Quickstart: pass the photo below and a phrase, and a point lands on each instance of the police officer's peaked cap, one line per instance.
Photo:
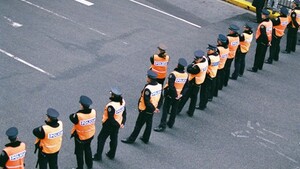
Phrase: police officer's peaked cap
(116, 91)
(85, 101)
(162, 46)
(222, 38)
(212, 47)
(297, 2)
(284, 11)
(182, 62)
(265, 12)
(12, 133)
(233, 28)
(151, 74)
(199, 54)
(248, 25)
(52, 113)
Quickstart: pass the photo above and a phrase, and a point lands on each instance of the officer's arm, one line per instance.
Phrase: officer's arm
(193, 69)
(74, 118)
(3, 159)
(149, 106)
(263, 35)
(242, 37)
(185, 88)
(39, 132)
(293, 16)
(124, 116)
(172, 90)
(111, 113)
(152, 59)
(275, 21)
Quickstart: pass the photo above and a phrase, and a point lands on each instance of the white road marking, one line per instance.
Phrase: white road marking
(63, 17)
(84, 2)
(269, 141)
(249, 125)
(165, 13)
(278, 135)
(26, 63)
(12, 23)
(289, 158)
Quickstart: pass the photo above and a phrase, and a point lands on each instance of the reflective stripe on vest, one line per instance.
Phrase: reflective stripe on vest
(53, 138)
(213, 67)
(16, 156)
(199, 77)
(245, 45)
(85, 127)
(279, 29)
(180, 79)
(119, 109)
(223, 56)
(269, 27)
(160, 66)
(154, 97)
(233, 44)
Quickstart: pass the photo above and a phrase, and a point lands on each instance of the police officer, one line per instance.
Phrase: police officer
(233, 44)
(263, 38)
(159, 64)
(223, 54)
(293, 27)
(48, 140)
(279, 25)
(175, 88)
(245, 43)
(13, 154)
(114, 117)
(197, 72)
(206, 92)
(83, 131)
(147, 106)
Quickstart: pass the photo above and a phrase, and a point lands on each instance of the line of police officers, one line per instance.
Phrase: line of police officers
(209, 72)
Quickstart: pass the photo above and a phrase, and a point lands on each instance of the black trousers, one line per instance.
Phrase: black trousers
(274, 49)
(220, 80)
(168, 103)
(192, 93)
(239, 64)
(205, 91)
(258, 14)
(45, 159)
(112, 132)
(161, 99)
(227, 71)
(83, 148)
(259, 57)
(143, 117)
(291, 39)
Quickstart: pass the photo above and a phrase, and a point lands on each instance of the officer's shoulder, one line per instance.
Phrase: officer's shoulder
(262, 26)
(2, 153)
(147, 92)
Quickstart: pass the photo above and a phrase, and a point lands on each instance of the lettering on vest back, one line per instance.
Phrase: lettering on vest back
(87, 122)
(224, 55)
(284, 23)
(17, 156)
(155, 93)
(180, 80)
(120, 110)
(215, 63)
(157, 63)
(54, 135)
(234, 43)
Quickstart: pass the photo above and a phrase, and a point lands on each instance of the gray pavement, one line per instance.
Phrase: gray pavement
(253, 124)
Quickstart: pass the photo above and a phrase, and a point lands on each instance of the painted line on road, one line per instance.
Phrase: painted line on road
(63, 17)
(266, 140)
(26, 63)
(289, 158)
(278, 135)
(84, 2)
(165, 13)
(12, 23)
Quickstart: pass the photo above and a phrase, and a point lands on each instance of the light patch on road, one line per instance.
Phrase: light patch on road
(12, 23)
(84, 2)
(165, 13)
(26, 63)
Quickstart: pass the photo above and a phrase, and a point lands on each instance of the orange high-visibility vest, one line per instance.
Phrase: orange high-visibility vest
(85, 127)
(279, 29)
(269, 27)
(16, 156)
(223, 56)
(199, 77)
(233, 44)
(245, 45)
(119, 109)
(160, 66)
(53, 138)
(180, 79)
(154, 97)
(213, 67)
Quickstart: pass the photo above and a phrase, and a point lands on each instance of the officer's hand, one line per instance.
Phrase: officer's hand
(269, 44)
(156, 110)
(122, 126)
(178, 97)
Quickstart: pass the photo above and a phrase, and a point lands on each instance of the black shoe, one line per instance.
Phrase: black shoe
(97, 158)
(286, 52)
(200, 107)
(268, 62)
(144, 140)
(209, 99)
(240, 75)
(159, 129)
(127, 141)
(251, 70)
(109, 156)
(233, 78)
(169, 125)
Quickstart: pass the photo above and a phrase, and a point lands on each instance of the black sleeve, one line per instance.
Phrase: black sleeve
(74, 118)
(208, 60)
(185, 88)
(3, 159)
(193, 69)
(293, 16)
(275, 21)
(111, 113)
(124, 116)
(149, 106)
(172, 90)
(152, 59)
(39, 132)
(242, 37)
(263, 38)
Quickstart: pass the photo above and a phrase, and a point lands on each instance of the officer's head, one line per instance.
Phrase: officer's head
(248, 26)
(296, 3)
(85, 102)
(222, 39)
(199, 55)
(115, 92)
(181, 63)
(211, 49)
(52, 114)
(12, 134)
(161, 48)
(151, 76)
(233, 29)
(284, 11)
(265, 14)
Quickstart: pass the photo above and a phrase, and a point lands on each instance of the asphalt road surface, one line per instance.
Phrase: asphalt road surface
(51, 52)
